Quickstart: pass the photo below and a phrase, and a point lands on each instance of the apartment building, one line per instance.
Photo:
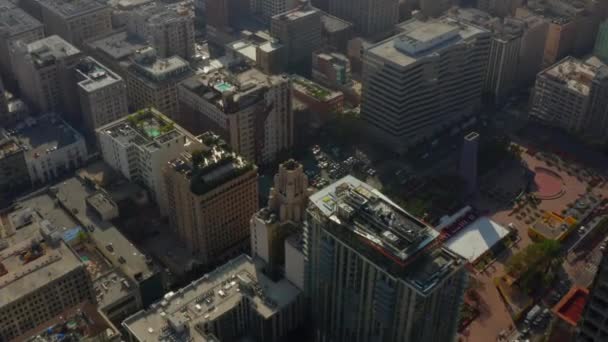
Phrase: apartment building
(423, 80)
(139, 145)
(299, 30)
(372, 18)
(102, 95)
(592, 326)
(15, 24)
(152, 81)
(45, 72)
(573, 95)
(249, 109)
(376, 273)
(532, 47)
(74, 21)
(212, 194)
(169, 28)
(236, 300)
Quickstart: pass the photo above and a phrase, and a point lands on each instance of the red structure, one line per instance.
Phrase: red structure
(570, 308)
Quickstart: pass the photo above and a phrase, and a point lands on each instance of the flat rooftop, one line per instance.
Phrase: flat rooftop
(118, 45)
(154, 70)
(45, 134)
(47, 51)
(313, 89)
(574, 74)
(419, 39)
(505, 29)
(94, 76)
(15, 21)
(8, 147)
(477, 238)
(334, 24)
(296, 14)
(73, 8)
(210, 297)
(570, 308)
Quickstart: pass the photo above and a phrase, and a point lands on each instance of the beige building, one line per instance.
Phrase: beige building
(152, 81)
(212, 194)
(102, 94)
(45, 73)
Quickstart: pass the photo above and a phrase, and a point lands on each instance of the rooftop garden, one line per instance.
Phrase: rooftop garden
(313, 89)
(150, 123)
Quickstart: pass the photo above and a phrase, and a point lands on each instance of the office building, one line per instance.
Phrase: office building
(532, 47)
(41, 276)
(282, 217)
(53, 148)
(423, 80)
(236, 300)
(152, 81)
(573, 95)
(592, 325)
(74, 21)
(247, 108)
(15, 24)
(45, 72)
(372, 18)
(102, 94)
(331, 69)
(226, 14)
(601, 42)
(266, 9)
(139, 145)
(168, 28)
(115, 50)
(336, 32)
(14, 173)
(299, 30)
(376, 273)
(212, 194)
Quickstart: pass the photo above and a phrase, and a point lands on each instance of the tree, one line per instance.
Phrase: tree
(534, 265)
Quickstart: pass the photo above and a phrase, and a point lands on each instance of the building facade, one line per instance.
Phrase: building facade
(212, 194)
(266, 9)
(601, 42)
(374, 273)
(423, 80)
(592, 325)
(370, 17)
(14, 173)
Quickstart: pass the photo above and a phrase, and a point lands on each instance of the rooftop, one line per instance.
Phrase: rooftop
(48, 50)
(44, 134)
(313, 89)
(574, 74)
(296, 14)
(419, 39)
(477, 238)
(154, 69)
(334, 24)
(73, 8)
(118, 45)
(15, 21)
(570, 307)
(210, 297)
(8, 146)
(506, 29)
(214, 165)
(94, 76)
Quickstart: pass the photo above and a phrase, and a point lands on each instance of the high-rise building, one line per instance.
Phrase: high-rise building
(74, 21)
(41, 276)
(116, 50)
(168, 27)
(139, 145)
(235, 301)
(299, 30)
(336, 32)
(45, 73)
(500, 8)
(370, 17)
(532, 48)
(247, 108)
(285, 212)
(102, 93)
(3, 104)
(435, 8)
(152, 81)
(593, 326)
(573, 95)
(266, 9)
(14, 174)
(226, 14)
(468, 162)
(376, 273)
(601, 43)
(423, 80)
(331, 70)
(212, 194)
(15, 24)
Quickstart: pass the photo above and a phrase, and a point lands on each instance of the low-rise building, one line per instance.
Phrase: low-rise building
(323, 102)
(234, 301)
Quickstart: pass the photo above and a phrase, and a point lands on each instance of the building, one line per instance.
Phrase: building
(601, 43)
(299, 30)
(41, 277)
(336, 32)
(427, 96)
(52, 147)
(592, 326)
(260, 49)
(14, 173)
(249, 109)
(234, 301)
(371, 17)
(212, 194)
(282, 217)
(15, 24)
(226, 14)
(333, 70)
(435, 8)
(325, 103)
(152, 81)
(499, 8)
(3, 103)
(168, 28)
(74, 21)
(45, 73)
(102, 93)
(468, 162)
(532, 48)
(139, 145)
(573, 95)
(266, 9)
(115, 50)
(378, 266)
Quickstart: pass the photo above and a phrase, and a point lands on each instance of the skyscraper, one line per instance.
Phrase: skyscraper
(371, 17)
(376, 273)
(601, 43)
(593, 326)
(468, 161)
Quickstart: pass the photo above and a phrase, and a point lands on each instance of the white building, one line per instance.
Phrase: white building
(139, 145)
(52, 147)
